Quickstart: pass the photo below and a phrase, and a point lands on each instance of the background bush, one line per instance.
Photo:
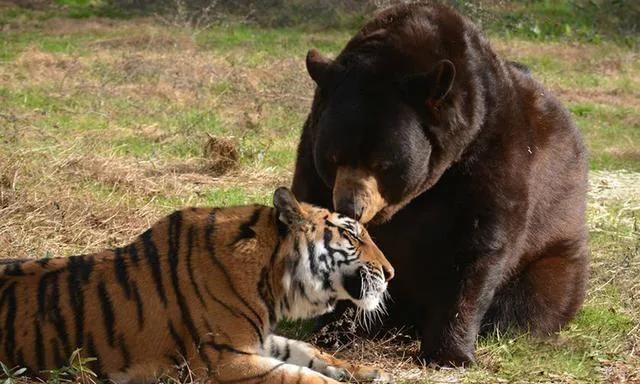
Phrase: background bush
(586, 20)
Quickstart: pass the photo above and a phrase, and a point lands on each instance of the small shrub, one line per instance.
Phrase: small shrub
(77, 371)
(11, 375)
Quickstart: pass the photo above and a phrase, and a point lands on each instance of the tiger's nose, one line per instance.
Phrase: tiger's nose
(388, 272)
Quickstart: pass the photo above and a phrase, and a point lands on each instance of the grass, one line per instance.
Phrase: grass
(103, 125)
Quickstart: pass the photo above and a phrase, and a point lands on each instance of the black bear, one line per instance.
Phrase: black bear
(470, 174)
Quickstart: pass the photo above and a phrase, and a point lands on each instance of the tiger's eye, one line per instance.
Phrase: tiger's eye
(353, 238)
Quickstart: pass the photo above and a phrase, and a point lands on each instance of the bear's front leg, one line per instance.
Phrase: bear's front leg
(452, 317)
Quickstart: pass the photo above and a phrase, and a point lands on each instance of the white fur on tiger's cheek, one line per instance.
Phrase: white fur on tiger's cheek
(374, 290)
(305, 285)
(371, 301)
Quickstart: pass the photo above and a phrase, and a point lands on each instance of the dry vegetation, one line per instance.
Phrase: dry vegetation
(107, 125)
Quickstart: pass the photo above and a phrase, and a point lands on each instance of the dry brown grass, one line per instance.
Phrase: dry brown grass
(80, 204)
(606, 65)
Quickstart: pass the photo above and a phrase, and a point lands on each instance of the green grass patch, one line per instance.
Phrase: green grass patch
(551, 20)
(594, 334)
(217, 197)
(262, 44)
(601, 323)
(15, 43)
(231, 196)
(299, 330)
(612, 135)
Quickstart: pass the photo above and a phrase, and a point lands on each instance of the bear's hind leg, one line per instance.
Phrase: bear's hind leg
(545, 296)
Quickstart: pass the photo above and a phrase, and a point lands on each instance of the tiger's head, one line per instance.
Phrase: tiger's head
(328, 257)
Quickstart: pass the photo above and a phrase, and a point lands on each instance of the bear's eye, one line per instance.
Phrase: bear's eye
(382, 166)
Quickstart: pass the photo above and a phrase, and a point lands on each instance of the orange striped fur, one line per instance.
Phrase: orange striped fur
(203, 287)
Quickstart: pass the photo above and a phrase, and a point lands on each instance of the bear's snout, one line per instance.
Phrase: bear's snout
(351, 207)
(356, 194)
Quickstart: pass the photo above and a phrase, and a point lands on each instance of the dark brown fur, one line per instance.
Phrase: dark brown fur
(472, 176)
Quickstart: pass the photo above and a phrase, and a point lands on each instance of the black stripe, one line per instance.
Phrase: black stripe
(49, 307)
(43, 285)
(266, 294)
(176, 339)
(221, 347)
(139, 305)
(124, 351)
(283, 229)
(287, 351)
(151, 254)
(93, 352)
(207, 326)
(265, 290)
(311, 249)
(175, 224)
(302, 290)
(236, 313)
(13, 269)
(43, 262)
(108, 316)
(58, 359)
(208, 237)
(190, 236)
(79, 270)
(331, 251)
(284, 305)
(133, 253)
(20, 359)
(122, 276)
(245, 231)
(9, 298)
(177, 362)
(39, 345)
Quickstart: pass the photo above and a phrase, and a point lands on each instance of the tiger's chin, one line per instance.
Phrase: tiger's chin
(365, 291)
(370, 302)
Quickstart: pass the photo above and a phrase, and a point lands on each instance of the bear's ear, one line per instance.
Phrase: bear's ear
(319, 67)
(431, 87)
(288, 208)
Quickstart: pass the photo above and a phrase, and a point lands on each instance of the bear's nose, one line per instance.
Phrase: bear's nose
(350, 207)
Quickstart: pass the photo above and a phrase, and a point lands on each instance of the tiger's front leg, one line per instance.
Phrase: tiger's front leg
(305, 355)
(253, 369)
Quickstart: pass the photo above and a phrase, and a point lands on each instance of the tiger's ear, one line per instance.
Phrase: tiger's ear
(289, 210)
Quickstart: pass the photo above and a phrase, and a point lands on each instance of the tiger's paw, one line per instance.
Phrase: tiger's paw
(359, 375)
(336, 373)
(369, 374)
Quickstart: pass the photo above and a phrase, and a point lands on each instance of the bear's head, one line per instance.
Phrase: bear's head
(391, 113)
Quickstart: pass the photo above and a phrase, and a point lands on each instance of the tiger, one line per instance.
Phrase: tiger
(203, 287)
